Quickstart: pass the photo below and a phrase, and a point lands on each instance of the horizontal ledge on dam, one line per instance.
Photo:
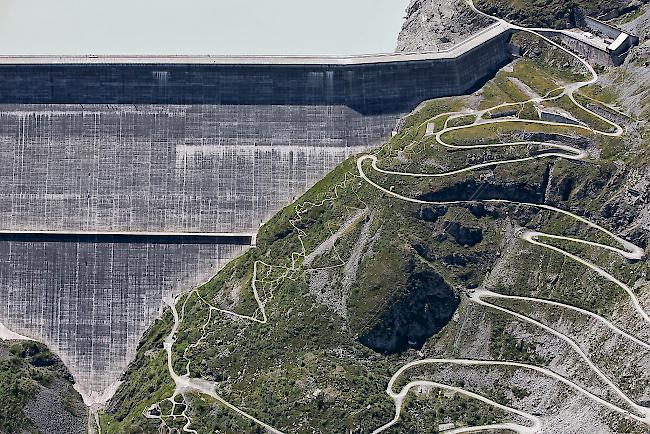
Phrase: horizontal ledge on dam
(246, 239)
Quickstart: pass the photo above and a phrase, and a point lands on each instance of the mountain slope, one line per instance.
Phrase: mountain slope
(558, 14)
(37, 393)
(438, 25)
(368, 271)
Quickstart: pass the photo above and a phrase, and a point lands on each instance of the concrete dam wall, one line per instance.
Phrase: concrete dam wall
(190, 168)
(120, 174)
(389, 84)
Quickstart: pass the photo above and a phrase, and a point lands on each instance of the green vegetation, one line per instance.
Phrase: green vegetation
(148, 383)
(546, 66)
(311, 368)
(629, 16)
(529, 111)
(534, 74)
(495, 133)
(429, 110)
(25, 368)
(499, 90)
(461, 121)
(505, 346)
(425, 411)
(599, 93)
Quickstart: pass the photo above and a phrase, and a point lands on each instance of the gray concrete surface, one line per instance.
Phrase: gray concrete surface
(470, 40)
(168, 168)
(91, 302)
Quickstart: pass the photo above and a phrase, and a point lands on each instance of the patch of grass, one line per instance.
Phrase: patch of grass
(557, 14)
(531, 74)
(462, 120)
(495, 132)
(500, 90)
(146, 383)
(529, 111)
(425, 411)
(554, 64)
(630, 16)
(600, 93)
(432, 108)
(504, 346)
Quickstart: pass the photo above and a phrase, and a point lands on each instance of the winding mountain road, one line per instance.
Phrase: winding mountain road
(185, 384)
(627, 250)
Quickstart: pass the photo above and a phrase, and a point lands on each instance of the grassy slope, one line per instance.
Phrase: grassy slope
(305, 371)
(24, 368)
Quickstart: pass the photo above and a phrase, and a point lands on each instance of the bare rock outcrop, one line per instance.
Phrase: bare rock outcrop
(434, 25)
(422, 311)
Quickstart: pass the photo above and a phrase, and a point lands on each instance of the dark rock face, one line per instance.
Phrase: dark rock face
(565, 187)
(424, 251)
(465, 235)
(426, 308)
(472, 189)
(431, 214)
(578, 142)
(455, 259)
(480, 210)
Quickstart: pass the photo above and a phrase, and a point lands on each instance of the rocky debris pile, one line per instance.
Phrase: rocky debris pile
(58, 409)
(434, 25)
(37, 392)
(639, 26)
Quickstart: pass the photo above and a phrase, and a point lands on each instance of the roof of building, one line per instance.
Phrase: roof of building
(618, 42)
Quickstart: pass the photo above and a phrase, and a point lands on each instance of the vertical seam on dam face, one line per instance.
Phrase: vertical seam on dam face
(127, 180)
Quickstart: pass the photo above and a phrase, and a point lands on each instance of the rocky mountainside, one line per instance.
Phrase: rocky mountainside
(373, 276)
(433, 25)
(37, 393)
(438, 25)
(557, 14)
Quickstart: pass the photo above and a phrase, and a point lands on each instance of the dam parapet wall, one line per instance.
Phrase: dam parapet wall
(381, 84)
